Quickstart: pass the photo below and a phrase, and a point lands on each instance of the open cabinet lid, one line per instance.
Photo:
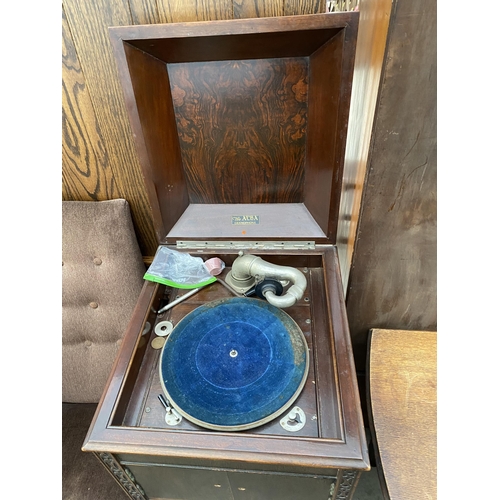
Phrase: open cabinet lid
(240, 125)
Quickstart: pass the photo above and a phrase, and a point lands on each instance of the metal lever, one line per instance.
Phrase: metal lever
(294, 421)
(171, 417)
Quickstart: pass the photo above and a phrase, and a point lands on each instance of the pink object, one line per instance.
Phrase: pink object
(214, 266)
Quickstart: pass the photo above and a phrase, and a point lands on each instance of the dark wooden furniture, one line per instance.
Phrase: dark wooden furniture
(402, 411)
(240, 129)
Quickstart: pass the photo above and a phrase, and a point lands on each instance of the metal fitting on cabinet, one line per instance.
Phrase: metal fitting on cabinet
(246, 267)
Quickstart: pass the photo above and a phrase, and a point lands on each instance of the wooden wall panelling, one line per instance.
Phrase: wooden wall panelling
(297, 7)
(392, 282)
(271, 8)
(372, 35)
(257, 8)
(89, 22)
(144, 11)
(85, 161)
(179, 11)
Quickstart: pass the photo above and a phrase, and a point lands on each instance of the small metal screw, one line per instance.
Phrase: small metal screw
(148, 409)
(306, 299)
(308, 321)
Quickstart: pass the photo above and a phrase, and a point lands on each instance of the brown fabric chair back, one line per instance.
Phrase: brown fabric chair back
(102, 276)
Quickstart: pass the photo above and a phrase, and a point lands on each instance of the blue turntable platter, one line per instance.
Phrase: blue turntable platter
(233, 364)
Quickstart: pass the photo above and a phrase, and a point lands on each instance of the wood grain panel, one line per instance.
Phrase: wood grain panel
(175, 43)
(393, 275)
(257, 8)
(242, 127)
(330, 82)
(144, 11)
(156, 135)
(402, 393)
(373, 26)
(179, 11)
(324, 106)
(85, 161)
(297, 7)
(89, 22)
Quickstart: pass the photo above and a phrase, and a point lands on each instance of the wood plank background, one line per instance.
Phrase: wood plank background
(99, 158)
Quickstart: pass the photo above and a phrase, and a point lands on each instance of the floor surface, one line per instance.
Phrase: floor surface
(368, 487)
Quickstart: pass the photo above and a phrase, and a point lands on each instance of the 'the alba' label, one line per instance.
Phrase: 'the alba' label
(242, 220)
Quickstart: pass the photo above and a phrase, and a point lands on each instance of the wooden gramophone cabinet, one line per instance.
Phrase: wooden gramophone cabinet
(240, 128)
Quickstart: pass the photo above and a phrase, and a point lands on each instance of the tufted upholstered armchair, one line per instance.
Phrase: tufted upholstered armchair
(102, 276)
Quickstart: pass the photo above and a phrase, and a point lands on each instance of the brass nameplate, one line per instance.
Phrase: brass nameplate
(245, 220)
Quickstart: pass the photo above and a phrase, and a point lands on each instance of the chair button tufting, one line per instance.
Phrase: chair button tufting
(93, 305)
(97, 261)
(119, 341)
(88, 343)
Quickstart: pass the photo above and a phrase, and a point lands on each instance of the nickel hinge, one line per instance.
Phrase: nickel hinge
(247, 245)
